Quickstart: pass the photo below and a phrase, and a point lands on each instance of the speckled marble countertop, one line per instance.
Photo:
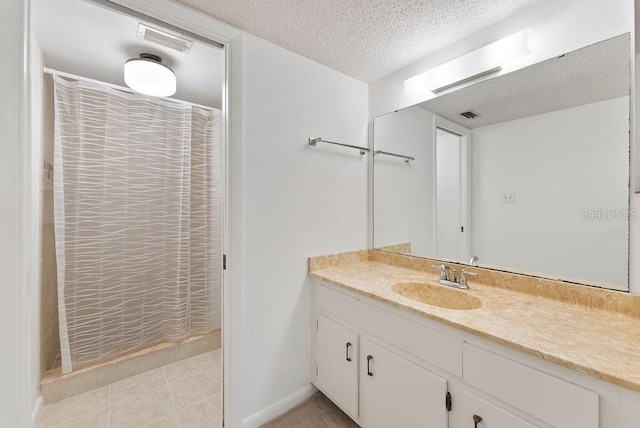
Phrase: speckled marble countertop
(575, 334)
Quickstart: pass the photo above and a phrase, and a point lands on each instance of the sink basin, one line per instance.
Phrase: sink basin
(437, 295)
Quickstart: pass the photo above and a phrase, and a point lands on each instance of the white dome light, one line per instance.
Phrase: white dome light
(148, 76)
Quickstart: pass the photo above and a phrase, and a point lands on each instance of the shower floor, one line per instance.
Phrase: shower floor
(184, 394)
(56, 386)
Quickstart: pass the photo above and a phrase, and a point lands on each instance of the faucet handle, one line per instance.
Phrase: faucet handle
(463, 276)
(443, 270)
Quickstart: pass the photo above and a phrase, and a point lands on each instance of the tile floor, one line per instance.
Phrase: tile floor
(186, 394)
(316, 412)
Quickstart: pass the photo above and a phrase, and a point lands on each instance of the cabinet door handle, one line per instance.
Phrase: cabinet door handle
(369, 358)
(476, 420)
(348, 345)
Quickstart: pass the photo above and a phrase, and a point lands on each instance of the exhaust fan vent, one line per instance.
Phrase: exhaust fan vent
(164, 38)
(469, 114)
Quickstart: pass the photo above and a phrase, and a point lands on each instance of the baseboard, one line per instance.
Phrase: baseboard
(276, 409)
(37, 409)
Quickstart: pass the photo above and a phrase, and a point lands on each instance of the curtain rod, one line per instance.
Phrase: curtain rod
(118, 87)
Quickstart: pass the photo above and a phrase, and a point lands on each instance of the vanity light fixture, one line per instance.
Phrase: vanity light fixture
(147, 75)
(481, 62)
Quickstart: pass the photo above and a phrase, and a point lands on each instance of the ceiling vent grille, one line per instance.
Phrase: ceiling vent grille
(164, 38)
(469, 114)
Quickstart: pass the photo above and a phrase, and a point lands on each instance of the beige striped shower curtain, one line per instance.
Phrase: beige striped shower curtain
(138, 203)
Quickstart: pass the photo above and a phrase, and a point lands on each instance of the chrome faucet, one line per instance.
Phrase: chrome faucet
(446, 273)
(473, 261)
(463, 277)
(448, 277)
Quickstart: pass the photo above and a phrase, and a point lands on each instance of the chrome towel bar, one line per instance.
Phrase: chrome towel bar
(314, 141)
(406, 158)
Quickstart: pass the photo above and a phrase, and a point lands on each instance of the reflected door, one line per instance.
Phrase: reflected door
(448, 195)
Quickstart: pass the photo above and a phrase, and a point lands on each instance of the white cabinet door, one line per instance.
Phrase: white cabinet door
(480, 413)
(337, 360)
(395, 392)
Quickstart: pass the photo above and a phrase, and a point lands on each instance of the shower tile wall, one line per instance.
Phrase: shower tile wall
(49, 333)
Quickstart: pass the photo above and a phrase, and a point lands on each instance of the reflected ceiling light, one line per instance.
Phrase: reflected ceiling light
(481, 62)
(147, 75)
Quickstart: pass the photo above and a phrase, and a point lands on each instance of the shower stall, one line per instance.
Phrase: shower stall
(138, 198)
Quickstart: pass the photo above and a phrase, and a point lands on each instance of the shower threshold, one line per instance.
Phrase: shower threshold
(56, 386)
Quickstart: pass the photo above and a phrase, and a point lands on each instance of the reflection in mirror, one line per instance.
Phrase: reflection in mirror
(537, 182)
(448, 197)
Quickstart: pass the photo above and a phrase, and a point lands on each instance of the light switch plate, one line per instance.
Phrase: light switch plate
(509, 198)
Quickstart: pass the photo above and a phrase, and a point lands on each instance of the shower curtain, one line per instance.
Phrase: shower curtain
(138, 200)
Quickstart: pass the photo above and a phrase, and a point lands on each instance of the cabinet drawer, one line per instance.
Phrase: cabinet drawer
(492, 416)
(442, 351)
(336, 303)
(552, 400)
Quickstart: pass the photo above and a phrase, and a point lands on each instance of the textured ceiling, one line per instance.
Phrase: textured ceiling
(365, 39)
(591, 74)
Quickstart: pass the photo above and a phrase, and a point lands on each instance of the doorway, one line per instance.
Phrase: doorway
(115, 341)
(451, 190)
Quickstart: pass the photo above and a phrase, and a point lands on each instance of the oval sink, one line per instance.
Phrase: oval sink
(437, 295)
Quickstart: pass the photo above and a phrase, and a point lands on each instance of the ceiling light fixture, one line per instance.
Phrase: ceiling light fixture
(147, 75)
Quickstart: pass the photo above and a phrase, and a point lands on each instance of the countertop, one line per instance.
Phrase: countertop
(598, 342)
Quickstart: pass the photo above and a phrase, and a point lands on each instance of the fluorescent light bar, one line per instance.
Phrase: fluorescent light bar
(481, 62)
(468, 79)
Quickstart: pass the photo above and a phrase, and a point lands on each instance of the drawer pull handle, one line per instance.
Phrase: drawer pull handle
(476, 420)
(348, 345)
(369, 358)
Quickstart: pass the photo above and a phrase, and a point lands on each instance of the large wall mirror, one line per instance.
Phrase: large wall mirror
(528, 171)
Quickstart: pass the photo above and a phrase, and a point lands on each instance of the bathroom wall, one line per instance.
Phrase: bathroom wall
(49, 333)
(558, 164)
(402, 206)
(289, 201)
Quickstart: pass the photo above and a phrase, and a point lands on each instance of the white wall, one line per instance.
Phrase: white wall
(403, 200)
(14, 406)
(297, 201)
(558, 164)
(558, 26)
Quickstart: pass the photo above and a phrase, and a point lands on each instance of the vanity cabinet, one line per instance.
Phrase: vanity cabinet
(386, 369)
(370, 382)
